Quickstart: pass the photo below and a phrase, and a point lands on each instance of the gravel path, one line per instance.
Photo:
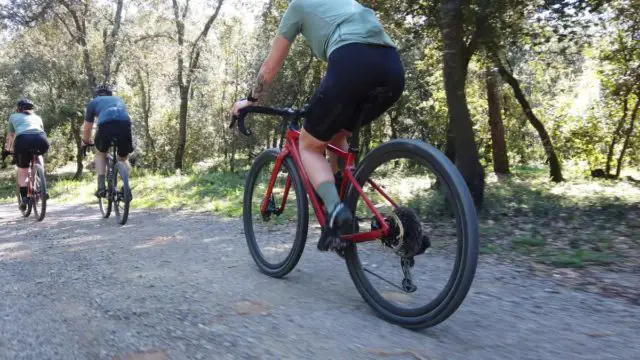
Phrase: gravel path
(183, 286)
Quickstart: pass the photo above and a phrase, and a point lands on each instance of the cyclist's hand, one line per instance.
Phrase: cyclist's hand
(86, 142)
(240, 105)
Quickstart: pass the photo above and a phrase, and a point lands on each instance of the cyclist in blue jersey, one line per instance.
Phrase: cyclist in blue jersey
(114, 122)
(362, 59)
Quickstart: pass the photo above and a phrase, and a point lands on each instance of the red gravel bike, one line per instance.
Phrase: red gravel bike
(37, 189)
(414, 248)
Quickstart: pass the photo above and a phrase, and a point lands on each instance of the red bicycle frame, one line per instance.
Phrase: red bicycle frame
(291, 149)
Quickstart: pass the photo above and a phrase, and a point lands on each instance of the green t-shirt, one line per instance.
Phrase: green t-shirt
(21, 123)
(329, 24)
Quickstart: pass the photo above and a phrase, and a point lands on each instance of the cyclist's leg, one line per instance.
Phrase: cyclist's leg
(318, 130)
(332, 103)
(43, 148)
(312, 154)
(21, 149)
(125, 143)
(340, 141)
(339, 218)
(102, 142)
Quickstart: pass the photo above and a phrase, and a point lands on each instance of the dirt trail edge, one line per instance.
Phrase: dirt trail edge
(182, 286)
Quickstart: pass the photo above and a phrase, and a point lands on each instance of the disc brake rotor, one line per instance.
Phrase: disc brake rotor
(406, 237)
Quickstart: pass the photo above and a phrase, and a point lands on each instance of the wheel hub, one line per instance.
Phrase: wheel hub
(405, 235)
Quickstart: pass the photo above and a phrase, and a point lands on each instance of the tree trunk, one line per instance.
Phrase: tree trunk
(145, 99)
(274, 138)
(454, 59)
(366, 139)
(182, 133)
(627, 135)
(555, 168)
(75, 130)
(186, 75)
(111, 41)
(498, 143)
(617, 133)
(450, 146)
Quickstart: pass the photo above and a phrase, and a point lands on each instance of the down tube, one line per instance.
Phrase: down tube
(285, 196)
(272, 181)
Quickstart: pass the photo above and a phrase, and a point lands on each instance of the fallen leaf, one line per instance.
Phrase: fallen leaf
(597, 334)
(385, 353)
(147, 355)
(251, 308)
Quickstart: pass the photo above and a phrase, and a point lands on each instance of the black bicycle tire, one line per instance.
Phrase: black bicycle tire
(40, 214)
(302, 205)
(105, 203)
(121, 169)
(26, 212)
(465, 264)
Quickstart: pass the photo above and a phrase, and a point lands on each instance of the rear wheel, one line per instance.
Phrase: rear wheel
(27, 210)
(418, 275)
(276, 237)
(39, 195)
(122, 196)
(106, 203)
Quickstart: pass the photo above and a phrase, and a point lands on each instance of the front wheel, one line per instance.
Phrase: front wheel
(39, 195)
(419, 274)
(276, 236)
(122, 197)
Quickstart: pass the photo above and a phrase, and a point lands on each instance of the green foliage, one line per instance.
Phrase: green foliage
(575, 61)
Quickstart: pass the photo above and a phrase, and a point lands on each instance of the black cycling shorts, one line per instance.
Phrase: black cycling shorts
(26, 146)
(355, 71)
(118, 130)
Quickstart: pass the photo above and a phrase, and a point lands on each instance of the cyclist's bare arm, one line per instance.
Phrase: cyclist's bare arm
(86, 132)
(271, 66)
(88, 125)
(9, 143)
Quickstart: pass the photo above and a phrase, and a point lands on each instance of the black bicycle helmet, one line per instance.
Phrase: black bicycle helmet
(25, 104)
(103, 90)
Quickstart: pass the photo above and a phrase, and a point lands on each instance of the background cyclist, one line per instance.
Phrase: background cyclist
(114, 122)
(26, 137)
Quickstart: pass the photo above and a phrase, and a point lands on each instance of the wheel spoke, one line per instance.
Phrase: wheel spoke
(383, 279)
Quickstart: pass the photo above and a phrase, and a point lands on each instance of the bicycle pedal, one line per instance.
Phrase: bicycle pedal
(331, 242)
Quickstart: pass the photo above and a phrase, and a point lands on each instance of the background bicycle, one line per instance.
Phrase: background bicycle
(36, 189)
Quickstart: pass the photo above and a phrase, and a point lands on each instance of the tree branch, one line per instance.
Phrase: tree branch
(203, 34)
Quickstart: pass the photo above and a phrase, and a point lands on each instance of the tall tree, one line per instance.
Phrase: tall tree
(187, 61)
(554, 163)
(74, 16)
(455, 59)
(622, 78)
(627, 135)
(498, 142)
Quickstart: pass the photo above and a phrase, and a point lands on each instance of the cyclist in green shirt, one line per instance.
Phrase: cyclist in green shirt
(25, 138)
(361, 58)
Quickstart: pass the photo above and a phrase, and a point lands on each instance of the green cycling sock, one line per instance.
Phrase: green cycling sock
(329, 194)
